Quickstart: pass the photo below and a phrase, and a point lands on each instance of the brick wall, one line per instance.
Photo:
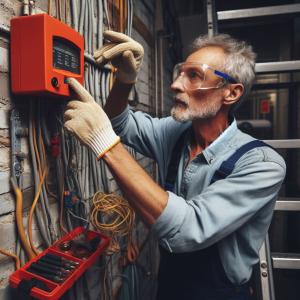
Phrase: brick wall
(144, 10)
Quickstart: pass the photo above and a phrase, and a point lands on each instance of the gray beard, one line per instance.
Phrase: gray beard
(206, 111)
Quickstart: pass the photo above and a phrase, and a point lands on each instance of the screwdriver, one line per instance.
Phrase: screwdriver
(56, 263)
(61, 259)
(52, 267)
(47, 276)
(40, 268)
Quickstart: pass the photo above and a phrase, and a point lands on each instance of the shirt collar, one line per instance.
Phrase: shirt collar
(221, 143)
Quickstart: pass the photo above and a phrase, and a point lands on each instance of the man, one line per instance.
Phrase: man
(210, 230)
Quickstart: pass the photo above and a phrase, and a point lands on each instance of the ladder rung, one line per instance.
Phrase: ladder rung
(286, 204)
(258, 12)
(278, 66)
(284, 144)
(286, 260)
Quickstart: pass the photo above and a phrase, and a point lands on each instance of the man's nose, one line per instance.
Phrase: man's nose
(177, 84)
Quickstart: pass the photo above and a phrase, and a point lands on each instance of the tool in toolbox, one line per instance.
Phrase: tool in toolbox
(55, 270)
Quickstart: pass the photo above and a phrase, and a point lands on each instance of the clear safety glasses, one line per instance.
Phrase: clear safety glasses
(194, 76)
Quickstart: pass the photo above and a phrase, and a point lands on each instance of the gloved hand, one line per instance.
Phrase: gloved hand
(88, 121)
(124, 53)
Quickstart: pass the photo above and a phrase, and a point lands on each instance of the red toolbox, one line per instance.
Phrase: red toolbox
(76, 259)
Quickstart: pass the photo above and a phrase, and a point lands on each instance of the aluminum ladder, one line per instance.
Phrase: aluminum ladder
(268, 260)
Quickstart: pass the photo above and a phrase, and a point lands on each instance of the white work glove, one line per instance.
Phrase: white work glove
(88, 121)
(124, 53)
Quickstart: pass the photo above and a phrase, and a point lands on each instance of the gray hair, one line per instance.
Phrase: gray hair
(240, 60)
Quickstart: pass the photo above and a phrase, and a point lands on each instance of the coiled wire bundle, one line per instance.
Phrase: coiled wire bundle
(119, 218)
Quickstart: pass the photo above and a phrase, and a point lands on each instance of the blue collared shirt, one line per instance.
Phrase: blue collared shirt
(234, 212)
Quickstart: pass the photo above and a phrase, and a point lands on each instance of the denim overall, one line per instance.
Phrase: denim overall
(199, 275)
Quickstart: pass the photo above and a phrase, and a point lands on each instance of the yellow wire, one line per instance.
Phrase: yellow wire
(19, 218)
(120, 214)
(14, 256)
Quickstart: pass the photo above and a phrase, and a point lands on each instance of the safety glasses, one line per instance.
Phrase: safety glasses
(194, 76)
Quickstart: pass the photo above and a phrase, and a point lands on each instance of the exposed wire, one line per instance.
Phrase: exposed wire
(14, 256)
(120, 217)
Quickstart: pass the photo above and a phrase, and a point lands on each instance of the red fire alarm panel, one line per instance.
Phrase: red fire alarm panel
(43, 52)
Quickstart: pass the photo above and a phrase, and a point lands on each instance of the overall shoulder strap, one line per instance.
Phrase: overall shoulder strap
(228, 165)
(174, 162)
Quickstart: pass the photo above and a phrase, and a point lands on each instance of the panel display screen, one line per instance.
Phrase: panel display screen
(66, 56)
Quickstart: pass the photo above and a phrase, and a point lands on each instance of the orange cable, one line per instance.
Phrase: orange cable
(19, 219)
(14, 256)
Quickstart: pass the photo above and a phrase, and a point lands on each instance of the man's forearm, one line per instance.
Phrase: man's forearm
(147, 197)
(117, 99)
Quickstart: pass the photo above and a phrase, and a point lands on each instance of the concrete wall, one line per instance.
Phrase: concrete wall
(144, 11)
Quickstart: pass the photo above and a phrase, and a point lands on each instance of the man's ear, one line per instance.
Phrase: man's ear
(232, 93)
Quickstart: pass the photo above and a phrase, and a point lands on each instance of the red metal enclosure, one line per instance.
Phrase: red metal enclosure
(43, 52)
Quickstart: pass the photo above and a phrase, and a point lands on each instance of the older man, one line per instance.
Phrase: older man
(218, 186)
